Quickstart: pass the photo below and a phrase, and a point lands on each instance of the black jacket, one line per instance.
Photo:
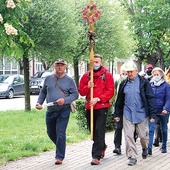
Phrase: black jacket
(147, 96)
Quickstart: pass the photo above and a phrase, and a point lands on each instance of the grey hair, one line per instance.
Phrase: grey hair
(161, 72)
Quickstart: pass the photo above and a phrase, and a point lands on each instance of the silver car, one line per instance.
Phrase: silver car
(12, 85)
(37, 81)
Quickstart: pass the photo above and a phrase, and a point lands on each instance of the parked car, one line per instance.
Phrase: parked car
(37, 81)
(12, 85)
(3, 77)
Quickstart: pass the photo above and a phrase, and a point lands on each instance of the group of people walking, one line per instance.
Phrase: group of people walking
(142, 101)
(138, 105)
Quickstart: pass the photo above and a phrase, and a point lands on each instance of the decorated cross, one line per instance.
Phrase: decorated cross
(90, 14)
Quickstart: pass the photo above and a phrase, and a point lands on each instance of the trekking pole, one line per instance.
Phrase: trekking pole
(90, 14)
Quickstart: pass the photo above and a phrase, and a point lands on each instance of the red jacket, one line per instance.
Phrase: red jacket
(103, 88)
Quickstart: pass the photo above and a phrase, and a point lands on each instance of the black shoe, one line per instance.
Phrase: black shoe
(163, 149)
(145, 153)
(132, 161)
(149, 151)
(117, 151)
(156, 143)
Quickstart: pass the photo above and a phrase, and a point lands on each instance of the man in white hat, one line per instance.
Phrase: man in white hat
(136, 102)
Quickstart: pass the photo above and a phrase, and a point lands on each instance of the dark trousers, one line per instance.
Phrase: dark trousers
(158, 134)
(118, 132)
(99, 125)
(56, 123)
(164, 128)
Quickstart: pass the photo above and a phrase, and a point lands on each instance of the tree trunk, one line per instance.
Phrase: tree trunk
(152, 59)
(26, 82)
(160, 58)
(76, 71)
(139, 64)
(21, 66)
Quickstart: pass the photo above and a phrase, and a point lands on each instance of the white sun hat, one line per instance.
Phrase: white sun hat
(130, 66)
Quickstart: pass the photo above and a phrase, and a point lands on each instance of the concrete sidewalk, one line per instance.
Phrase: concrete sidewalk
(78, 157)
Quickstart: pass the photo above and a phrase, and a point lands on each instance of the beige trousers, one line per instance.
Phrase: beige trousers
(142, 130)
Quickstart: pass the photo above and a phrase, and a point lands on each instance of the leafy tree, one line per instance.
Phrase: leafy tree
(14, 41)
(12, 17)
(58, 30)
(51, 26)
(150, 24)
(113, 38)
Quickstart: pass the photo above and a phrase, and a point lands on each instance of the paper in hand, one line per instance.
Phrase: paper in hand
(51, 103)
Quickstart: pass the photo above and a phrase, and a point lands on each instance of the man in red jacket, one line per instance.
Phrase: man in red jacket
(103, 91)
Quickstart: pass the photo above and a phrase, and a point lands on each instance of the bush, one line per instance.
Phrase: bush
(81, 119)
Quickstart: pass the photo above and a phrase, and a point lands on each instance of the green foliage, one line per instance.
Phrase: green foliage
(13, 45)
(110, 120)
(58, 30)
(112, 31)
(51, 26)
(150, 24)
(81, 118)
(23, 134)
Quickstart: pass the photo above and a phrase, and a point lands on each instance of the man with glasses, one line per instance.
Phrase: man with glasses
(59, 90)
(136, 102)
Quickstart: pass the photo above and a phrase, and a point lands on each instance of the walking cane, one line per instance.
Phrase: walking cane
(90, 14)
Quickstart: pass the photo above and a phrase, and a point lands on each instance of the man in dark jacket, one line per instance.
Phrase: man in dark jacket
(136, 102)
(103, 91)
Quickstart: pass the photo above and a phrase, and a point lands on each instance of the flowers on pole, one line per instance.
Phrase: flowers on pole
(91, 13)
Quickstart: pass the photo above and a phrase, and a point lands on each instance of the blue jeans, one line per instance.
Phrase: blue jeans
(56, 123)
(152, 126)
(164, 130)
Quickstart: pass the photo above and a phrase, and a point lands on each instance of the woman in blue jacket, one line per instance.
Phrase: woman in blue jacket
(161, 90)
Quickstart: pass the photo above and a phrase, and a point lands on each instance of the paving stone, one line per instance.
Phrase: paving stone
(78, 157)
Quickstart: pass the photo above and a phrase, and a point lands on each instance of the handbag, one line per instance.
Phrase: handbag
(72, 104)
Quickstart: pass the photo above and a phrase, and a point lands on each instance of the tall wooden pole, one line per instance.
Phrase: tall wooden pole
(91, 13)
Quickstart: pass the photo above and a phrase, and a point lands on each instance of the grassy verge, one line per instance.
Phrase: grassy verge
(23, 134)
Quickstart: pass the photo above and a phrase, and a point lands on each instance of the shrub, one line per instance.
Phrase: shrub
(81, 119)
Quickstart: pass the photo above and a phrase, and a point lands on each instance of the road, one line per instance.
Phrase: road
(17, 103)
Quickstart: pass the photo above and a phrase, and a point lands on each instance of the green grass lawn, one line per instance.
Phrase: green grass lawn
(23, 134)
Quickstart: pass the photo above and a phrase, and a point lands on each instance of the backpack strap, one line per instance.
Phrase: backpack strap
(103, 76)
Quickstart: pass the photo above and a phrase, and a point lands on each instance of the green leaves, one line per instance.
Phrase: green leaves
(150, 23)
(13, 45)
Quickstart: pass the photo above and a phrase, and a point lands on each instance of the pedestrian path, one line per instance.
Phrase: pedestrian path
(78, 157)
